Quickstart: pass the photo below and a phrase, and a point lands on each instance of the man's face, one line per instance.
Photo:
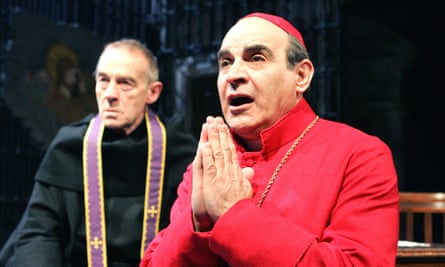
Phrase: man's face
(122, 88)
(255, 86)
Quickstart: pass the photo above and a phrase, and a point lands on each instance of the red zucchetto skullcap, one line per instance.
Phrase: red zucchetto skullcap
(280, 22)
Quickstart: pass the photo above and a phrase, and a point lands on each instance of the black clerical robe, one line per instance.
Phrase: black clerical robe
(52, 229)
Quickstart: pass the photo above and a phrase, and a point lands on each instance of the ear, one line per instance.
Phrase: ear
(154, 92)
(304, 71)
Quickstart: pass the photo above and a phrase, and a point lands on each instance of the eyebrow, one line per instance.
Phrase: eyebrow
(222, 53)
(257, 48)
(247, 50)
(118, 78)
(100, 73)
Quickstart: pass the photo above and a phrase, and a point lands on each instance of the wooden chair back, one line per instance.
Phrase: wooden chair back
(423, 204)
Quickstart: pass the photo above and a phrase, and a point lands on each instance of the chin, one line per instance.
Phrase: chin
(240, 125)
(111, 124)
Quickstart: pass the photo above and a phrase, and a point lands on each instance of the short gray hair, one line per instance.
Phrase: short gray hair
(133, 44)
(296, 52)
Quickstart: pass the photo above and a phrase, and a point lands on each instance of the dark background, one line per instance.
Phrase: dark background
(421, 24)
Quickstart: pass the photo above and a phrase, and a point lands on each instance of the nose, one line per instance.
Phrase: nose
(237, 74)
(110, 92)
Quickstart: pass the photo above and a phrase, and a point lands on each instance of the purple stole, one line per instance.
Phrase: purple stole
(93, 187)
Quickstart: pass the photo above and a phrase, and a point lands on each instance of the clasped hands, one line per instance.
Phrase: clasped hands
(218, 180)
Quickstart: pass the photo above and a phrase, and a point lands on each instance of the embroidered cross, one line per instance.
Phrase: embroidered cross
(152, 211)
(96, 242)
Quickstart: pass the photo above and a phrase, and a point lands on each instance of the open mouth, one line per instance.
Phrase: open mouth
(238, 101)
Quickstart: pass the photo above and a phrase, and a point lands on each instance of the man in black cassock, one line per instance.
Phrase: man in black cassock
(111, 176)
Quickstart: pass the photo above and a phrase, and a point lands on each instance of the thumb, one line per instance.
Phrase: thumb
(248, 173)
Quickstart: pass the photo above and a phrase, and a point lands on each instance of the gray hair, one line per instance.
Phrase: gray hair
(133, 44)
(296, 52)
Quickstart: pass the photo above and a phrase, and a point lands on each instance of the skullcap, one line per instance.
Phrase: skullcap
(280, 22)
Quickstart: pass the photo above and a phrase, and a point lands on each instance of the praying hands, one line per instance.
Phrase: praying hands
(218, 180)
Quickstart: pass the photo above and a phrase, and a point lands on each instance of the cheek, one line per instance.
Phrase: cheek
(221, 93)
(98, 95)
(220, 83)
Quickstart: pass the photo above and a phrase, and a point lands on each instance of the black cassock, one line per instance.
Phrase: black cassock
(51, 232)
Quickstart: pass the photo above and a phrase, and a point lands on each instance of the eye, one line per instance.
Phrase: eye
(257, 58)
(125, 84)
(224, 62)
(102, 82)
